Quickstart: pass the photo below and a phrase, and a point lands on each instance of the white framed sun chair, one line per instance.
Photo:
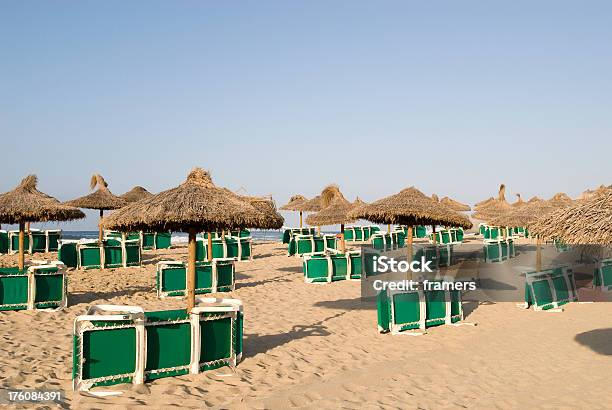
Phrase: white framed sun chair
(124, 344)
(42, 286)
(549, 289)
(327, 268)
(402, 311)
(211, 277)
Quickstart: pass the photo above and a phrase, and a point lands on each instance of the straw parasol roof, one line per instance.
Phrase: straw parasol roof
(271, 219)
(531, 211)
(295, 203)
(455, 205)
(410, 207)
(136, 194)
(435, 197)
(335, 208)
(519, 201)
(195, 204)
(501, 197)
(590, 193)
(587, 222)
(313, 205)
(493, 208)
(27, 204)
(101, 199)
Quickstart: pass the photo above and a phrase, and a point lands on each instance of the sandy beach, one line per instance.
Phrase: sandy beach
(317, 346)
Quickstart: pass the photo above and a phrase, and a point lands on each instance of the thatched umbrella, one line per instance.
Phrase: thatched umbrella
(271, 219)
(519, 201)
(586, 222)
(335, 209)
(493, 208)
(313, 205)
(455, 205)
(27, 204)
(194, 206)
(501, 197)
(136, 194)
(527, 214)
(590, 193)
(102, 199)
(295, 204)
(410, 207)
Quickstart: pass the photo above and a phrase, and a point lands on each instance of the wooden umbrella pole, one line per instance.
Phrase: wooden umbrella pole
(21, 260)
(538, 254)
(27, 227)
(342, 243)
(388, 228)
(319, 230)
(409, 272)
(100, 225)
(300, 219)
(191, 270)
(209, 247)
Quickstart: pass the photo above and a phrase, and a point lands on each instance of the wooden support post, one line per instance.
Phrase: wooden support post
(209, 247)
(342, 242)
(538, 254)
(21, 259)
(100, 226)
(300, 219)
(409, 272)
(191, 270)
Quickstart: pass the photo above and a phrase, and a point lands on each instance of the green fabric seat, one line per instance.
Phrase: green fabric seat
(14, 242)
(289, 233)
(211, 277)
(331, 268)
(386, 241)
(440, 255)
(550, 288)
(67, 253)
(163, 240)
(602, 277)
(232, 247)
(124, 344)
(38, 287)
(420, 309)
(306, 244)
(4, 242)
(359, 233)
(499, 250)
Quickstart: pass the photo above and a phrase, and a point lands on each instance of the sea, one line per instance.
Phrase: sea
(181, 237)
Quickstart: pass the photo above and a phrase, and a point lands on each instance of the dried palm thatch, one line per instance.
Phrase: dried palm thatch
(270, 218)
(295, 203)
(334, 208)
(587, 222)
(101, 199)
(27, 204)
(501, 197)
(136, 194)
(519, 201)
(531, 211)
(435, 197)
(410, 207)
(494, 208)
(195, 204)
(455, 205)
(590, 193)
(312, 205)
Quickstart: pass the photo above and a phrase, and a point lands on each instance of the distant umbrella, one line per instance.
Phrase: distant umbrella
(455, 205)
(334, 211)
(27, 204)
(102, 199)
(296, 202)
(136, 194)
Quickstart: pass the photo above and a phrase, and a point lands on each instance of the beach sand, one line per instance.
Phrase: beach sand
(317, 346)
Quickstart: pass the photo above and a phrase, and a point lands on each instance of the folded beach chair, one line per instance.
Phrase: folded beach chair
(230, 247)
(307, 244)
(38, 287)
(211, 277)
(386, 241)
(13, 237)
(124, 344)
(4, 241)
(155, 240)
(440, 255)
(602, 277)
(399, 311)
(550, 288)
(499, 250)
(67, 252)
(330, 268)
(290, 232)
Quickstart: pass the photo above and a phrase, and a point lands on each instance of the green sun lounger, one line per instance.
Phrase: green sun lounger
(492, 233)
(14, 242)
(550, 288)
(290, 232)
(232, 247)
(359, 233)
(307, 244)
(386, 241)
(440, 255)
(499, 250)
(602, 277)
(211, 277)
(4, 241)
(124, 344)
(321, 268)
(88, 254)
(38, 287)
(399, 311)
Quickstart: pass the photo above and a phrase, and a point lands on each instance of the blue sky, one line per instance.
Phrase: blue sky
(285, 97)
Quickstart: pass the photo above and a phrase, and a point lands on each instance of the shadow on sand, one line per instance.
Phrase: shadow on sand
(87, 297)
(256, 343)
(599, 340)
